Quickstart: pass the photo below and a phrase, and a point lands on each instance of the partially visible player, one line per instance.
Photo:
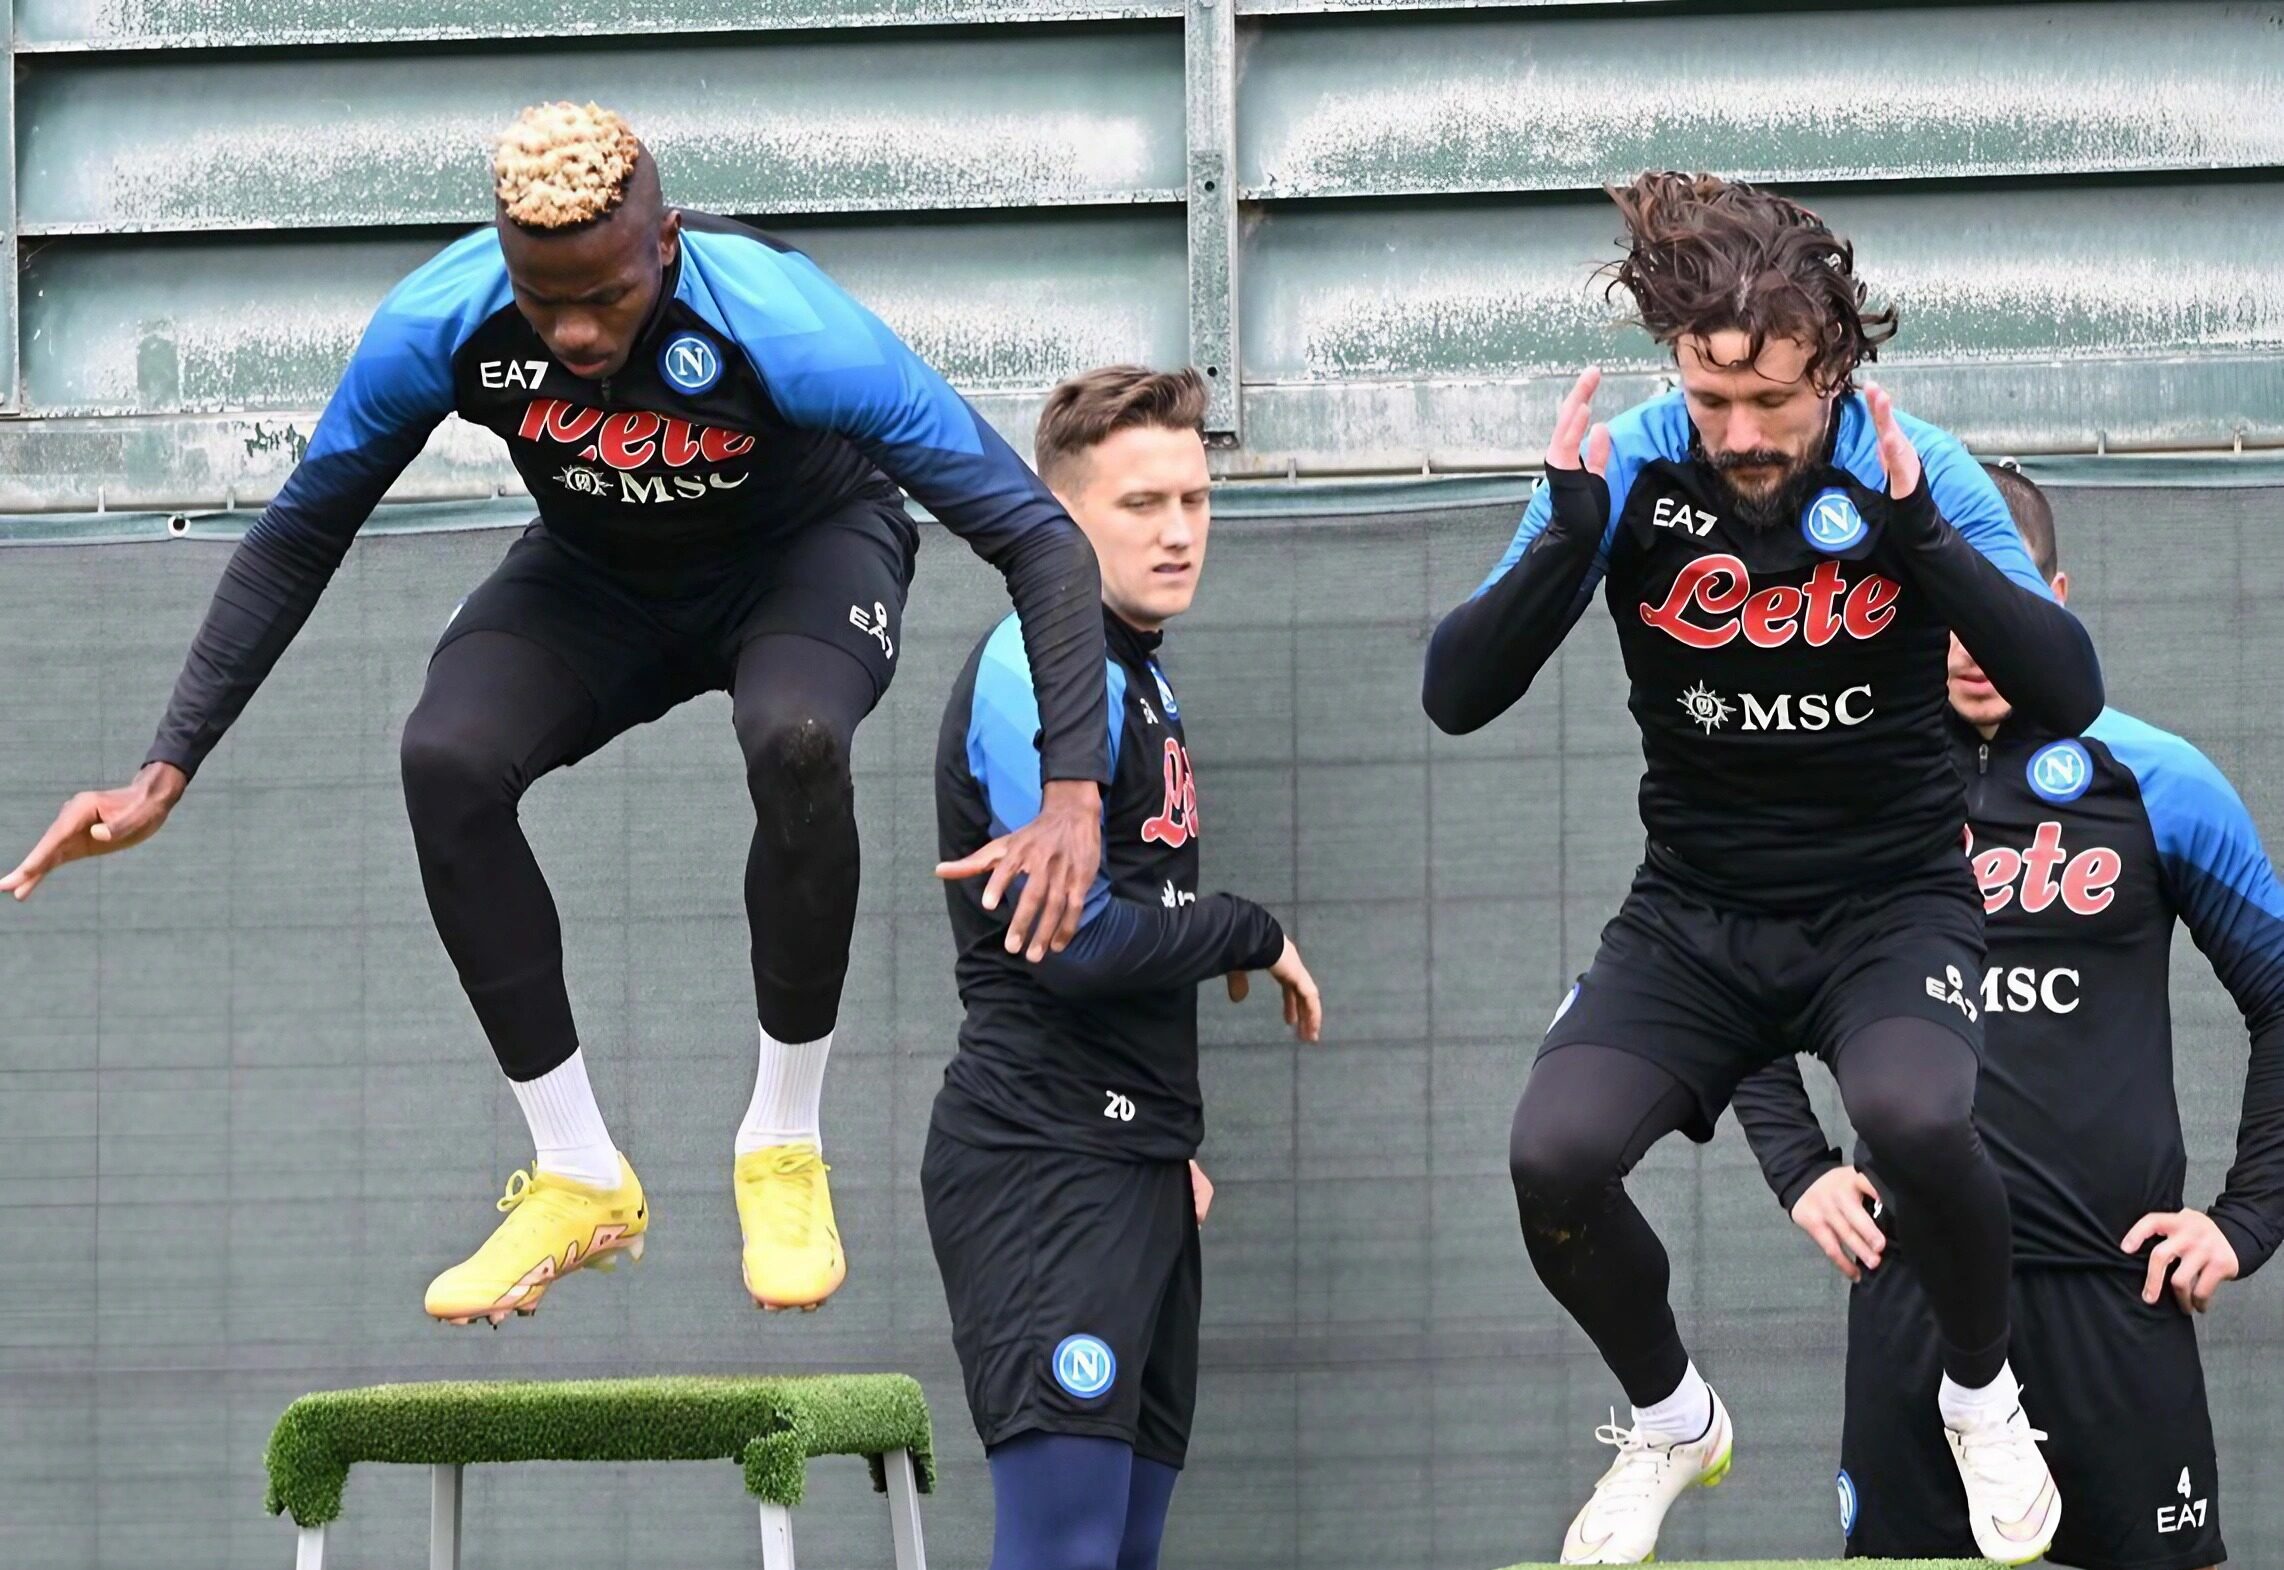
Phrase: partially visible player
(2089, 849)
(714, 436)
(1786, 559)
(1061, 1196)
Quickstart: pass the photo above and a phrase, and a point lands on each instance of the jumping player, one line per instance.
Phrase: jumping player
(1784, 558)
(2088, 849)
(714, 434)
(1060, 1193)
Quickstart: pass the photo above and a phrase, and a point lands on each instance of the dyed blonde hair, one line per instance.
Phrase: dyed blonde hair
(563, 165)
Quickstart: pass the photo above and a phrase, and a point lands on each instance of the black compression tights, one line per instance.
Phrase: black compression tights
(499, 711)
(1589, 1114)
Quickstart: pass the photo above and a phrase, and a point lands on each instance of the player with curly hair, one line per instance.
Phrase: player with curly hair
(1786, 558)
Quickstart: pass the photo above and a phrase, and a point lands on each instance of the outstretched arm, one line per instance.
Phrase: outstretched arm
(1485, 654)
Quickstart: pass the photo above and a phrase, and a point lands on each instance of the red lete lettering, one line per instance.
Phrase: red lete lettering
(2085, 883)
(1177, 821)
(631, 438)
(1820, 610)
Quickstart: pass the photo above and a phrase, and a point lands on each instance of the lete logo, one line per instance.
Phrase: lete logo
(2085, 883)
(631, 439)
(1177, 821)
(1819, 610)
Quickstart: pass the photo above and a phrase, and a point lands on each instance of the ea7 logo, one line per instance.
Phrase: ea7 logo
(1672, 512)
(1118, 1108)
(2189, 1515)
(1675, 513)
(874, 627)
(511, 373)
(1951, 988)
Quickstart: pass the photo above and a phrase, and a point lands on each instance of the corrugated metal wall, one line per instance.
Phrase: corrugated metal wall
(1373, 219)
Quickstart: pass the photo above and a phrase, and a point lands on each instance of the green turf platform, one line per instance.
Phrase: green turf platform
(771, 1426)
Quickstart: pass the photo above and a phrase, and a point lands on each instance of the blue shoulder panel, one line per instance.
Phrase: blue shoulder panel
(1641, 435)
(400, 379)
(1003, 737)
(828, 362)
(1962, 492)
(2214, 862)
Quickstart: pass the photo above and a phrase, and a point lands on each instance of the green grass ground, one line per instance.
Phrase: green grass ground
(1818, 1564)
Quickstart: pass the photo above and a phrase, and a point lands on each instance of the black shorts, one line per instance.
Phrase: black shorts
(2115, 1384)
(1711, 993)
(643, 643)
(1074, 1286)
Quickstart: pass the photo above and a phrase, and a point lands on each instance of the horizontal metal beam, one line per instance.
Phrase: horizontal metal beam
(883, 123)
(71, 26)
(2075, 273)
(123, 327)
(1431, 104)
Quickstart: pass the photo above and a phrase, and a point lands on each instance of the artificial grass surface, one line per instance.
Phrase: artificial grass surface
(1811, 1564)
(771, 1426)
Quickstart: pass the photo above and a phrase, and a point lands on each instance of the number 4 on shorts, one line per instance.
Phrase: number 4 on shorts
(2182, 1487)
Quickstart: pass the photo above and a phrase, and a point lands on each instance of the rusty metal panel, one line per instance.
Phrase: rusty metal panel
(884, 123)
(68, 25)
(1426, 104)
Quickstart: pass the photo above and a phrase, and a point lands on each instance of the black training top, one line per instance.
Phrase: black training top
(1095, 1048)
(1788, 681)
(759, 398)
(2089, 848)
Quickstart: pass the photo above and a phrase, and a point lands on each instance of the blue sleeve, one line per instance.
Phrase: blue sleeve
(831, 365)
(396, 389)
(1963, 494)
(2220, 880)
(1484, 655)
(1003, 741)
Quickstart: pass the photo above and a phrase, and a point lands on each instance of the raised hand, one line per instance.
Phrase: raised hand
(1897, 455)
(1576, 438)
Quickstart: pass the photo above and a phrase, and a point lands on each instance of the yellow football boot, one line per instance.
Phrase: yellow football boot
(792, 1249)
(554, 1226)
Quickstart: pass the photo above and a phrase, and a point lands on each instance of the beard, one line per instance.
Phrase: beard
(1781, 502)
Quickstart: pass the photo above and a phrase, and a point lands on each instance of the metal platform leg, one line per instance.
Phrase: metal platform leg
(309, 1548)
(444, 1518)
(904, 1510)
(776, 1537)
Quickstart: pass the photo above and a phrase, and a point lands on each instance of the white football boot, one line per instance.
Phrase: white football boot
(2011, 1501)
(1619, 1525)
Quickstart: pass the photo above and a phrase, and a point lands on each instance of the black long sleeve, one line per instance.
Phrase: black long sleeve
(1132, 947)
(1485, 654)
(2033, 650)
(1780, 1124)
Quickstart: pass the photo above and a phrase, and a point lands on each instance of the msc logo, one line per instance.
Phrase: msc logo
(2060, 771)
(2024, 990)
(1787, 711)
(1173, 898)
(1951, 988)
(1085, 1366)
(690, 363)
(1832, 522)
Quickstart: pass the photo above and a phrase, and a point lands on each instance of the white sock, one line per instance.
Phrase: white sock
(1680, 1417)
(1994, 1403)
(788, 1088)
(566, 1125)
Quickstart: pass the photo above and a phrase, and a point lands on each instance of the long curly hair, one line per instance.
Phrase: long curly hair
(1707, 255)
